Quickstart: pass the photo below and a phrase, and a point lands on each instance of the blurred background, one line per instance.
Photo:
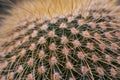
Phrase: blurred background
(5, 4)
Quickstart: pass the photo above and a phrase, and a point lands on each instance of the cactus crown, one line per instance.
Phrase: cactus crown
(82, 45)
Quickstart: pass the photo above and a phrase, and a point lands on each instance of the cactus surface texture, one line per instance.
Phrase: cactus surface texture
(60, 40)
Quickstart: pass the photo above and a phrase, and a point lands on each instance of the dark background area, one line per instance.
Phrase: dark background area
(118, 2)
(5, 4)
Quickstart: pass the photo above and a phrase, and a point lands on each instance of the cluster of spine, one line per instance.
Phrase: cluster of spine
(64, 48)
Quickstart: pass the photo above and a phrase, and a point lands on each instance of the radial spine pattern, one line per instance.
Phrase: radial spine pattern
(78, 41)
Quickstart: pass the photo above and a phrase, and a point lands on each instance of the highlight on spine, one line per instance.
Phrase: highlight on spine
(60, 40)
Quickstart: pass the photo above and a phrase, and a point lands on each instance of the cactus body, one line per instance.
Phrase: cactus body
(61, 40)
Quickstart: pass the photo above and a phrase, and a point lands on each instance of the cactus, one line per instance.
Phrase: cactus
(61, 40)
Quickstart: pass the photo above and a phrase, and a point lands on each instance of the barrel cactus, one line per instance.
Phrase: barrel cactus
(61, 40)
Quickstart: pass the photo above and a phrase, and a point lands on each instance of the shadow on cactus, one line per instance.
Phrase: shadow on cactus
(61, 40)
